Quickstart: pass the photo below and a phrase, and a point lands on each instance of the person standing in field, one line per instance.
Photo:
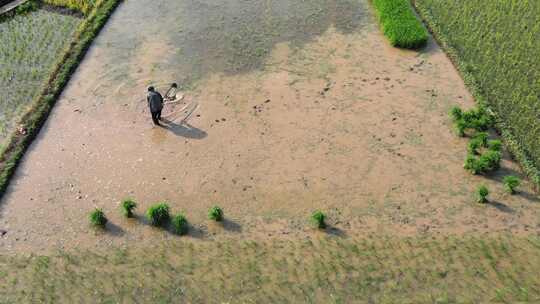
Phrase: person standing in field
(155, 103)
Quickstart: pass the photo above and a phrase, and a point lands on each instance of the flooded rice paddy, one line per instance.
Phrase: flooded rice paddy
(303, 106)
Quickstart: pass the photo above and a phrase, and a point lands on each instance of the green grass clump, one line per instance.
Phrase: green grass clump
(495, 46)
(474, 146)
(318, 219)
(495, 145)
(474, 120)
(511, 183)
(482, 192)
(83, 6)
(400, 25)
(97, 218)
(180, 224)
(487, 162)
(490, 160)
(215, 213)
(158, 214)
(127, 206)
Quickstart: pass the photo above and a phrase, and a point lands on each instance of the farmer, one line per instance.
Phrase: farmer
(155, 102)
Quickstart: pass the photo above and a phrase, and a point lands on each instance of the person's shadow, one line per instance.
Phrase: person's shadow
(184, 130)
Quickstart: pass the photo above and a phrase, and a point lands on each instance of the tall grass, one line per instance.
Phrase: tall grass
(399, 24)
(495, 45)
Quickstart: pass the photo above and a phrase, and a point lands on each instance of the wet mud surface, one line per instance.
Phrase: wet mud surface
(303, 106)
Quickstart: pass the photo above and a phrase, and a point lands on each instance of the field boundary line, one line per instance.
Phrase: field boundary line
(512, 144)
(32, 121)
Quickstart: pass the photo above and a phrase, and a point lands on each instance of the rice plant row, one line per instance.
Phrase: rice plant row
(31, 43)
(496, 47)
(399, 24)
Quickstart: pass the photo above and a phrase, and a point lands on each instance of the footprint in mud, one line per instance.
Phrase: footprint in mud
(258, 108)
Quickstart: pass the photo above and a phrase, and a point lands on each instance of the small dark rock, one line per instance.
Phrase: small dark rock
(3, 232)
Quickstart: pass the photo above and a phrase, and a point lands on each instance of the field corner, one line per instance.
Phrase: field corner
(509, 139)
(32, 121)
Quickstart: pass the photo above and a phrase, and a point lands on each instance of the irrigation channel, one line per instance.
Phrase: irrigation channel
(303, 106)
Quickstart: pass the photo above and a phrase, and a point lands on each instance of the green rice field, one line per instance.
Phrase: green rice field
(31, 44)
(497, 47)
(315, 270)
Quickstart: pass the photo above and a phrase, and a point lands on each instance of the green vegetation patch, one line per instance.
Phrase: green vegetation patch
(127, 207)
(325, 270)
(158, 214)
(84, 6)
(495, 45)
(97, 218)
(30, 45)
(399, 24)
(215, 213)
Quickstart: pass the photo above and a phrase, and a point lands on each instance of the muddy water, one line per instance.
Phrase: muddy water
(303, 106)
(228, 36)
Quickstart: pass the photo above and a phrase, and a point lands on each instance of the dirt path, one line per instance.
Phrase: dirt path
(303, 106)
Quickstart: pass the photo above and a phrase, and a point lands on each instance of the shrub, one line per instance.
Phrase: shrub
(482, 194)
(215, 214)
(399, 24)
(97, 218)
(180, 224)
(158, 214)
(318, 219)
(511, 183)
(128, 205)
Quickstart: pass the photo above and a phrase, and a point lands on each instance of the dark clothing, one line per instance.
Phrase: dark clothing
(155, 101)
(156, 117)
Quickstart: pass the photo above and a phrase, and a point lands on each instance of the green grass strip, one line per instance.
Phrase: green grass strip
(399, 24)
(33, 120)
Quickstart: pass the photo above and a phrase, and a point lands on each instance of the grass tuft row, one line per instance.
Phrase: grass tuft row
(399, 24)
